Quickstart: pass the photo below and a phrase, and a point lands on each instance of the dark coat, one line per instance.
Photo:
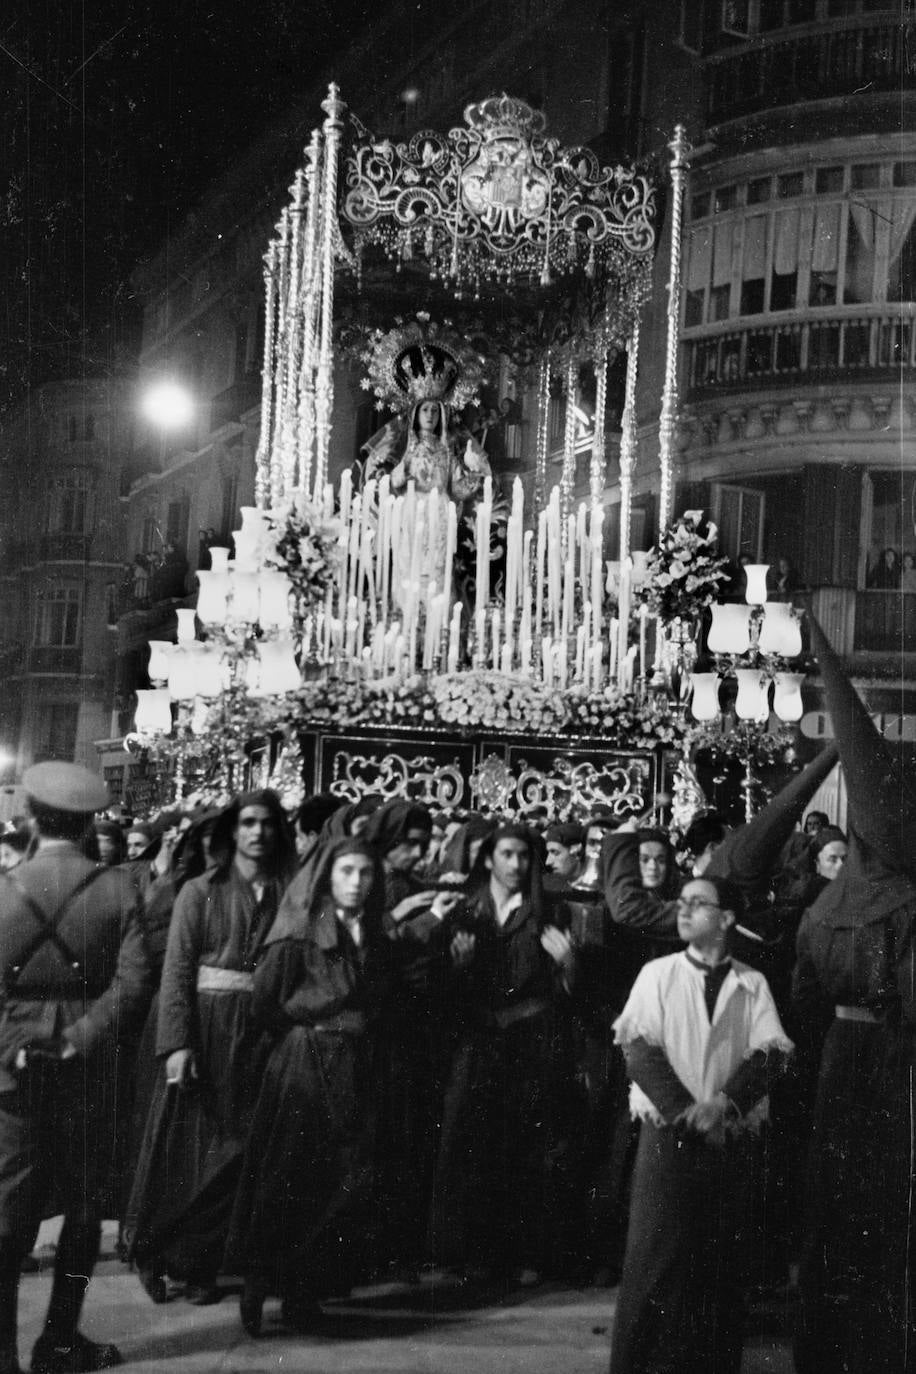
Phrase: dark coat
(100, 1000)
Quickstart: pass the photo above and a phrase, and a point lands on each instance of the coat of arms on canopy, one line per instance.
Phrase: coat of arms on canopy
(497, 201)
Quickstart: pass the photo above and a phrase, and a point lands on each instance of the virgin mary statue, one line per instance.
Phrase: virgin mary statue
(423, 452)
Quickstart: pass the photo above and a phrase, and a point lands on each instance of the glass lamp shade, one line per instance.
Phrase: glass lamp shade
(209, 668)
(247, 552)
(213, 597)
(199, 716)
(780, 633)
(756, 592)
(255, 521)
(185, 667)
(159, 652)
(640, 572)
(219, 560)
(186, 632)
(277, 670)
(705, 703)
(751, 702)
(787, 697)
(244, 600)
(154, 713)
(730, 629)
(274, 610)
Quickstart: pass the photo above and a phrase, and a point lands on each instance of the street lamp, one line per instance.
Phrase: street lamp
(167, 404)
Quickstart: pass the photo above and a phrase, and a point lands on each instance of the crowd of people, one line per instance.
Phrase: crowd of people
(373, 1041)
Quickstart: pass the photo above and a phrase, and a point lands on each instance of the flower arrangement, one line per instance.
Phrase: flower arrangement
(623, 720)
(308, 550)
(683, 573)
(494, 701)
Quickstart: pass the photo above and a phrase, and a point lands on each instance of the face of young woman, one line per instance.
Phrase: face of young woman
(653, 863)
(351, 881)
(428, 416)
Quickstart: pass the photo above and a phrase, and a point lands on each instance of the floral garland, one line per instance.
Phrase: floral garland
(495, 701)
(308, 549)
(684, 572)
(623, 720)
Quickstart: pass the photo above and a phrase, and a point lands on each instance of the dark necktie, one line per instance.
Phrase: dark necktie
(714, 975)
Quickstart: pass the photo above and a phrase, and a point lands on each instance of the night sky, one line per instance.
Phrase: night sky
(115, 115)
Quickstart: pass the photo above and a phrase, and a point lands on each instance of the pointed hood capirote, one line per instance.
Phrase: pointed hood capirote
(748, 856)
(305, 896)
(879, 875)
(881, 806)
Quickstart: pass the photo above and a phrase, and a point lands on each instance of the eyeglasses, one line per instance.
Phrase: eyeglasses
(694, 903)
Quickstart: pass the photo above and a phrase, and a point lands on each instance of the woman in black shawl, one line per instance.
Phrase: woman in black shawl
(299, 1225)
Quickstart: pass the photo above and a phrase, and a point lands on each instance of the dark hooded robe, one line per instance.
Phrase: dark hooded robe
(301, 1224)
(506, 1114)
(856, 971)
(196, 1135)
(418, 1039)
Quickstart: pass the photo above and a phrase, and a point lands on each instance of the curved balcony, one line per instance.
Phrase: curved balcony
(813, 63)
(866, 342)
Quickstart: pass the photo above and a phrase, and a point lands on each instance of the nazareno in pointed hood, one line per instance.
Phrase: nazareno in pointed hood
(748, 856)
(879, 875)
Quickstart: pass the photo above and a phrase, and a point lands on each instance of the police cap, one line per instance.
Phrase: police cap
(66, 787)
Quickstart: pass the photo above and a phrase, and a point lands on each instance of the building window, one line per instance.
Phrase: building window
(58, 617)
(816, 244)
(68, 510)
(89, 427)
(739, 515)
(57, 731)
(176, 523)
(71, 429)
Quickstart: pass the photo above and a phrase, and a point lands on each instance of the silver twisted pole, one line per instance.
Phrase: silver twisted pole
(667, 425)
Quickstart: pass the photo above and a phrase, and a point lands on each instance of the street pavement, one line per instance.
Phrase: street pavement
(393, 1330)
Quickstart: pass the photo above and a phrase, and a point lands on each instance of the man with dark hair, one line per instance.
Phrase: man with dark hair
(565, 861)
(213, 1056)
(75, 982)
(701, 839)
(310, 818)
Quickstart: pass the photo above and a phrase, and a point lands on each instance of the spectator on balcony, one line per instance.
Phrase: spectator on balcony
(169, 578)
(140, 574)
(885, 574)
(783, 580)
(908, 573)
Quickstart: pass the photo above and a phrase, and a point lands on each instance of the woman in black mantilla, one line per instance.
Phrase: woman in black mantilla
(299, 1225)
(212, 1050)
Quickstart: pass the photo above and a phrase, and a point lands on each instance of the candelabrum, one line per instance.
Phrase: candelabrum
(752, 644)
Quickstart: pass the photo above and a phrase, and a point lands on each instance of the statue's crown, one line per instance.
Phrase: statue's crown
(426, 372)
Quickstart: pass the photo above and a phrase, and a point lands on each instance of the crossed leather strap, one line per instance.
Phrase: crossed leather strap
(47, 933)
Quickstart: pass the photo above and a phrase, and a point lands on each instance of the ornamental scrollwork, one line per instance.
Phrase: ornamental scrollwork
(498, 200)
(416, 779)
(574, 790)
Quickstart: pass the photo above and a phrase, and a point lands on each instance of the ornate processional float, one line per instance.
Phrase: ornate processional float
(419, 627)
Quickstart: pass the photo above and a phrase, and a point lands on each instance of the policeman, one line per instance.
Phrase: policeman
(74, 982)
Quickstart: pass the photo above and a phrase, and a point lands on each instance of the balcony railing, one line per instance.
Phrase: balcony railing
(812, 64)
(813, 348)
(886, 621)
(63, 548)
(232, 403)
(56, 659)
